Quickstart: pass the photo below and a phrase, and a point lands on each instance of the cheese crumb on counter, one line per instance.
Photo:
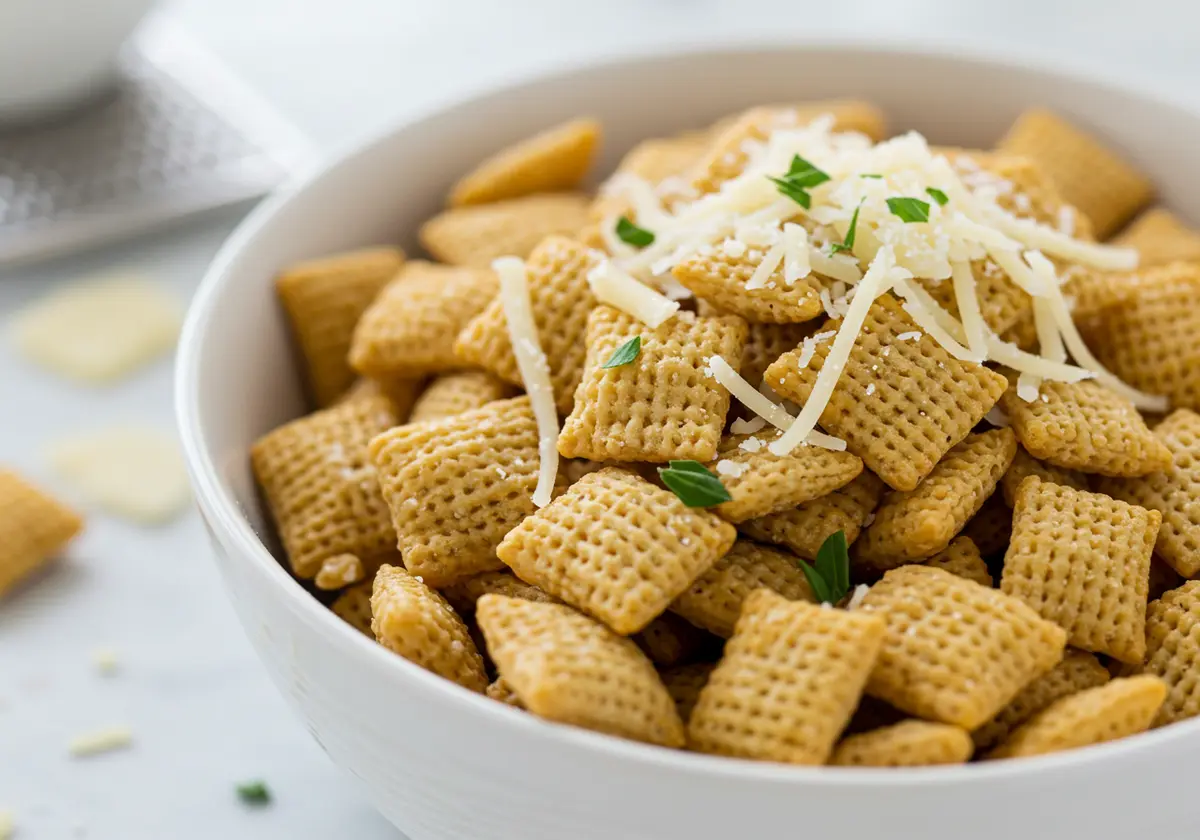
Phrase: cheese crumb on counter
(100, 741)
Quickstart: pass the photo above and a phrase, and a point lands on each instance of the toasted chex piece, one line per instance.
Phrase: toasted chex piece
(788, 682)
(323, 300)
(409, 329)
(475, 236)
(502, 692)
(1175, 492)
(767, 342)
(1173, 650)
(661, 406)
(991, 528)
(714, 601)
(549, 161)
(453, 393)
(1025, 465)
(322, 488)
(33, 528)
(1003, 304)
(456, 486)
(919, 523)
(899, 405)
(412, 620)
(910, 743)
(1160, 237)
(1084, 426)
(1078, 671)
(339, 571)
(464, 594)
(669, 640)
(720, 279)
(955, 651)
(1121, 708)
(571, 669)
(353, 606)
(560, 299)
(400, 391)
(684, 684)
(1090, 176)
(617, 547)
(804, 529)
(1082, 560)
(962, 558)
(653, 161)
(1150, 337)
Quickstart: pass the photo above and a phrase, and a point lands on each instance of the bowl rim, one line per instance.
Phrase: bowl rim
(234, 531)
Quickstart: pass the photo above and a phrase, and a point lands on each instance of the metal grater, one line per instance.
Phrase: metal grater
(177, 136)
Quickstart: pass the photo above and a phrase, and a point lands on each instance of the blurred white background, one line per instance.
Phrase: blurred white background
(203, 714)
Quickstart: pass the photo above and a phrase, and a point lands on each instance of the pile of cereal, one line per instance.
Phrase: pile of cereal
(793, 443)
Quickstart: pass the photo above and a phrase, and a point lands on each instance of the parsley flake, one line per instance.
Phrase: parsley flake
(909, 209)
(801, 176)
(631, 234)
(694, 484)
(938, 196)
(829, 574)
(624, 354)
(874, 175)
(848, 244)
(254, 793)
(795, 193)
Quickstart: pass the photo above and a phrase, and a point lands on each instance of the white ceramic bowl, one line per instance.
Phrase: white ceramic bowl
(443, 763)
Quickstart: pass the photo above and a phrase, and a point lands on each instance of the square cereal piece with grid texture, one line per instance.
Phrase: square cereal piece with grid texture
(804, 529)
(464, 594)
(409, 329)
(788, 682)
(669, 640)
(991, 528)
(1084, 426)
(412, 620)
(767, 342)
(653, 161)
(617, 547)
(568, 668)
(1078, 670)
(962, 558)
(660, 407)
(477, 235)
(1092, 177)
(560, 299)
(453, 393)
(955, 651)
(1118, 709)
(911, 525)
(1160, 237)
(456, 486)
(353, 606)
(1173, 651)
(684, 683)
(899, 405)
(763, 483)
(323, 300)
(1025, 465)
(321, 486)
(1082, 560)
(400, 391)
(720, 277)
(1174, 492)
(714, 601)
(33, 528)
(909, 743)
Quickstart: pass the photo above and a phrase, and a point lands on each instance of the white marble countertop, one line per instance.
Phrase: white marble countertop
(203, 714)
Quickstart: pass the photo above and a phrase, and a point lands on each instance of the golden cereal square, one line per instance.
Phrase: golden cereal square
(991, 528)
(412, 620)
(33, 528)
(720, 279)
(804, 529)
(714, 601)
(400, 391)
(1174, 492)
(767, 342)
(321, 486)
(409, 329)
(1091, 176)
(962, 558)
(910, 743)
(567, 668)
(669, 640)
(1121, 708)
(560, 299)
(466, 593)
(911, 525)
(1160, 237)
(653, 161)
(1025, 465)
(899, 405)
(617, 547)
(353, 606)
(955, 652)
(475, 236)
(1082, 560)
(323, 300)
(684, 684)
(1173, 651)
(1084, 426)
(763, 483)
(1003, 304)
(1078, 670)
(343, 570)
(456, 486)
(551, 160)
(662, 406)
(456, 392)
(790, 678)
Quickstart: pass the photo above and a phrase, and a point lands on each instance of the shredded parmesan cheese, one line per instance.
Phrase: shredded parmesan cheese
(761, 405)
(100, 741)
(617, 288)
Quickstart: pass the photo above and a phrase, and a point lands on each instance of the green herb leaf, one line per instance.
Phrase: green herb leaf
(694, 484)
(254, 793)
(938, 196)
(909, 209)
(793, 191)
(631, 234)
(804, 174)
(874, 175)
(829, 574)
(848, 244)
(624, 354)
